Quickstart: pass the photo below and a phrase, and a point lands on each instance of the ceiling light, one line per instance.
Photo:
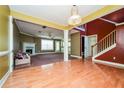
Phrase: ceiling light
(75, 18)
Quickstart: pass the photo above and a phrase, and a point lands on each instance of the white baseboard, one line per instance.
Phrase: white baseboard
(76, 56)
(45, 53)
(5, 77)
(112, 64)
(104, 51)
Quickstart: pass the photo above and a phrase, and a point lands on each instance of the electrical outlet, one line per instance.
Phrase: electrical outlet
(114, 58)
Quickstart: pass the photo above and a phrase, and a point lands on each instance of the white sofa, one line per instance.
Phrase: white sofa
(22, 61)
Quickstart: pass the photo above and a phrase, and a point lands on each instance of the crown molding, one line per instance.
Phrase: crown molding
(120, 24)
(108, 21)
(28, 18)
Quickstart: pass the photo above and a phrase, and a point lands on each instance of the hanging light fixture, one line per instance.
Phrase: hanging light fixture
(75, 18)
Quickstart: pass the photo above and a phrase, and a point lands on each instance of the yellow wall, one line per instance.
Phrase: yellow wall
(4, 13)
(3, 65)
(75, 44)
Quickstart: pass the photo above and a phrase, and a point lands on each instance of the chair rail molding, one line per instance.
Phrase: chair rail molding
(2, 53)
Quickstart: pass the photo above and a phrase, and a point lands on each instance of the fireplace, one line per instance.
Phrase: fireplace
(29, 48)
(29, 51)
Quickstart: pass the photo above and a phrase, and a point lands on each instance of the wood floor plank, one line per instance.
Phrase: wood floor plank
(73, 74)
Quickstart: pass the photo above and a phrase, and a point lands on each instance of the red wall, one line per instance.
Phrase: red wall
(102, 28)
(117, 52)
(99, 27)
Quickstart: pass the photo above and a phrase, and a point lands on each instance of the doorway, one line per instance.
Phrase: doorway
(82, 46)
(91, 41)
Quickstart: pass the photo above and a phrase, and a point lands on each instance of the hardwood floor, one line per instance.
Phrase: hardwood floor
(73, 74)
(43, 59)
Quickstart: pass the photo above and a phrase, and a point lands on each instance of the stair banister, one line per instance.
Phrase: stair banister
(104, 43)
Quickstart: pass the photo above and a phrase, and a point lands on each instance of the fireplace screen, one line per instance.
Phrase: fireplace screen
(29, 51)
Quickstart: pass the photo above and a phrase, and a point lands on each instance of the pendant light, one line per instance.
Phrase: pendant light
(75, 18)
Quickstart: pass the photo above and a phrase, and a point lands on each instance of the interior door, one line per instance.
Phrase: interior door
(91, 41)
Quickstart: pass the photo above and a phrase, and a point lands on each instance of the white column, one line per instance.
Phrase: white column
(10, 43)
(66, 45)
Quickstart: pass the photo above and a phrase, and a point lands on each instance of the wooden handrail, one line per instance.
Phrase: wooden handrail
(107, 35)
(104, 37)
(105, 42)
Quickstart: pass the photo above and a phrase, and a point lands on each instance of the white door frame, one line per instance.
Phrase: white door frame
(81, 44)
(87, 44)
(11, 44)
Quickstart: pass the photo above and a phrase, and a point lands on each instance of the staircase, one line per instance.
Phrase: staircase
(104, 45)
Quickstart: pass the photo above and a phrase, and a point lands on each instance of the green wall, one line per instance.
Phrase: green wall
(16, 37)
(30, 39)
(75, 44)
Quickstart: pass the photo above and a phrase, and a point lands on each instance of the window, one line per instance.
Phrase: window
(62, 46)
(57, 46)
(47, 44)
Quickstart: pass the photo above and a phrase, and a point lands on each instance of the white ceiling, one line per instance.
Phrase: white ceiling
(57, 14)
(33, 29)
(38, 30)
